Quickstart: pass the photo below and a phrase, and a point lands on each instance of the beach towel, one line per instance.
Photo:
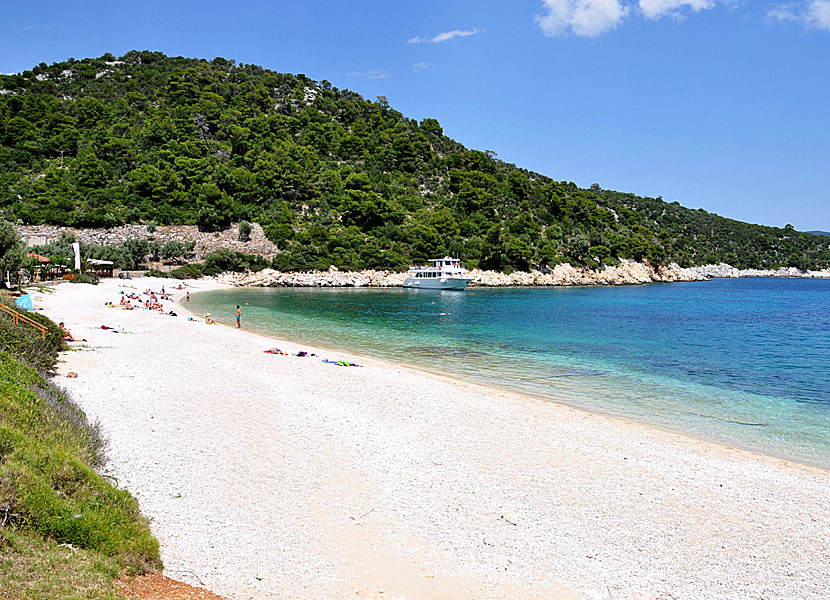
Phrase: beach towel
(341, 363)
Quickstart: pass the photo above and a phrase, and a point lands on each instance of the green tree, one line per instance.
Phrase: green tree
(12, 249)
(427, 244)
(173, 250)
(578, 246)
(518, 253)
(154, 250)
(600, 252)
(133, 252)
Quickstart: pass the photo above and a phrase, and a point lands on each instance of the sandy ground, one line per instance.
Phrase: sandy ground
(269, 476)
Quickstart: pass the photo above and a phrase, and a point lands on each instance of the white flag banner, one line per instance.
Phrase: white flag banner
(77, 248)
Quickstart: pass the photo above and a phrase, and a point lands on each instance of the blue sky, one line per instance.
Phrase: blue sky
(720, 104)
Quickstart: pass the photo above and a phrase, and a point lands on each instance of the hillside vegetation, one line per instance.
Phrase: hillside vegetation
(332, 177)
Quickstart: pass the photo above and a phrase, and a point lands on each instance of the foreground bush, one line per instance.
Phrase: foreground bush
(48, 486)
(25, 343)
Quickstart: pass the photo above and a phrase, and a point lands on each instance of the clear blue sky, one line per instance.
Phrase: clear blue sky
(720, 104)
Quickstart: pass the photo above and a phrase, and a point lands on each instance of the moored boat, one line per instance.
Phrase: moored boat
(443, 274)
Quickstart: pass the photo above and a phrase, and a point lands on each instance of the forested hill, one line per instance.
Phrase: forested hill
(332, 177)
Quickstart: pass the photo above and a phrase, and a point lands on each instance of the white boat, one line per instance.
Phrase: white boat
(443, 274)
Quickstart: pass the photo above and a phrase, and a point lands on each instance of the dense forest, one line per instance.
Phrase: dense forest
(332, 177)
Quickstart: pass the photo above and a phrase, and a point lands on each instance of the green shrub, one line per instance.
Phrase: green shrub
(190, 271)
(245, 229)
(87, 277)
(155, 273)
(24, 343)
(228, 260)
(280, 233)
(611, 262)
(207, 219)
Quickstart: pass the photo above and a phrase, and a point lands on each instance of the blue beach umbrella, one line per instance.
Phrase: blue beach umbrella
(25, 302)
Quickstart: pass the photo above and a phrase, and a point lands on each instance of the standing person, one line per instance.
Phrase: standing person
(188, 296)
(238, 317)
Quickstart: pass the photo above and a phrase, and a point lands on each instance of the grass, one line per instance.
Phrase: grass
(47, 481)
(37, 569)
(65, 530)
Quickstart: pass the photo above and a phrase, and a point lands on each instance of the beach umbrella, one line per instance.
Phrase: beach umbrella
(25, 302)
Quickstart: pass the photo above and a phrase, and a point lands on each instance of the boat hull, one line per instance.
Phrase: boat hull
(436, 283)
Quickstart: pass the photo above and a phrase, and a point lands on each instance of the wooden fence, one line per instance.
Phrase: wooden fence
(21, 318)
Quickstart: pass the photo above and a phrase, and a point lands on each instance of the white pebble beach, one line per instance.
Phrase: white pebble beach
(273, 476)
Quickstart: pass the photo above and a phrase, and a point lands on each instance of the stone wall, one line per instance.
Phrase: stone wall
(205, 242)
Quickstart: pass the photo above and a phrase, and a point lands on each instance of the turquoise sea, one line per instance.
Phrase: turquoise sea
(741, 361)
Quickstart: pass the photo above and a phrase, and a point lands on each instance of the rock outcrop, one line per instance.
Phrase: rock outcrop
(722, 271)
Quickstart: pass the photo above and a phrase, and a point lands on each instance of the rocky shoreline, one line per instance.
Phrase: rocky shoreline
(724, 271)
(627, 273)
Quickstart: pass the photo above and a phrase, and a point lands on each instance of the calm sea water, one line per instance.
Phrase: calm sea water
(745, 361)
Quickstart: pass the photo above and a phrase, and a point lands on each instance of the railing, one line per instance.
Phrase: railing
(17, 318)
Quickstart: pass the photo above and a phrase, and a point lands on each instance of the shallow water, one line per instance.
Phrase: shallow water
(745, 362)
